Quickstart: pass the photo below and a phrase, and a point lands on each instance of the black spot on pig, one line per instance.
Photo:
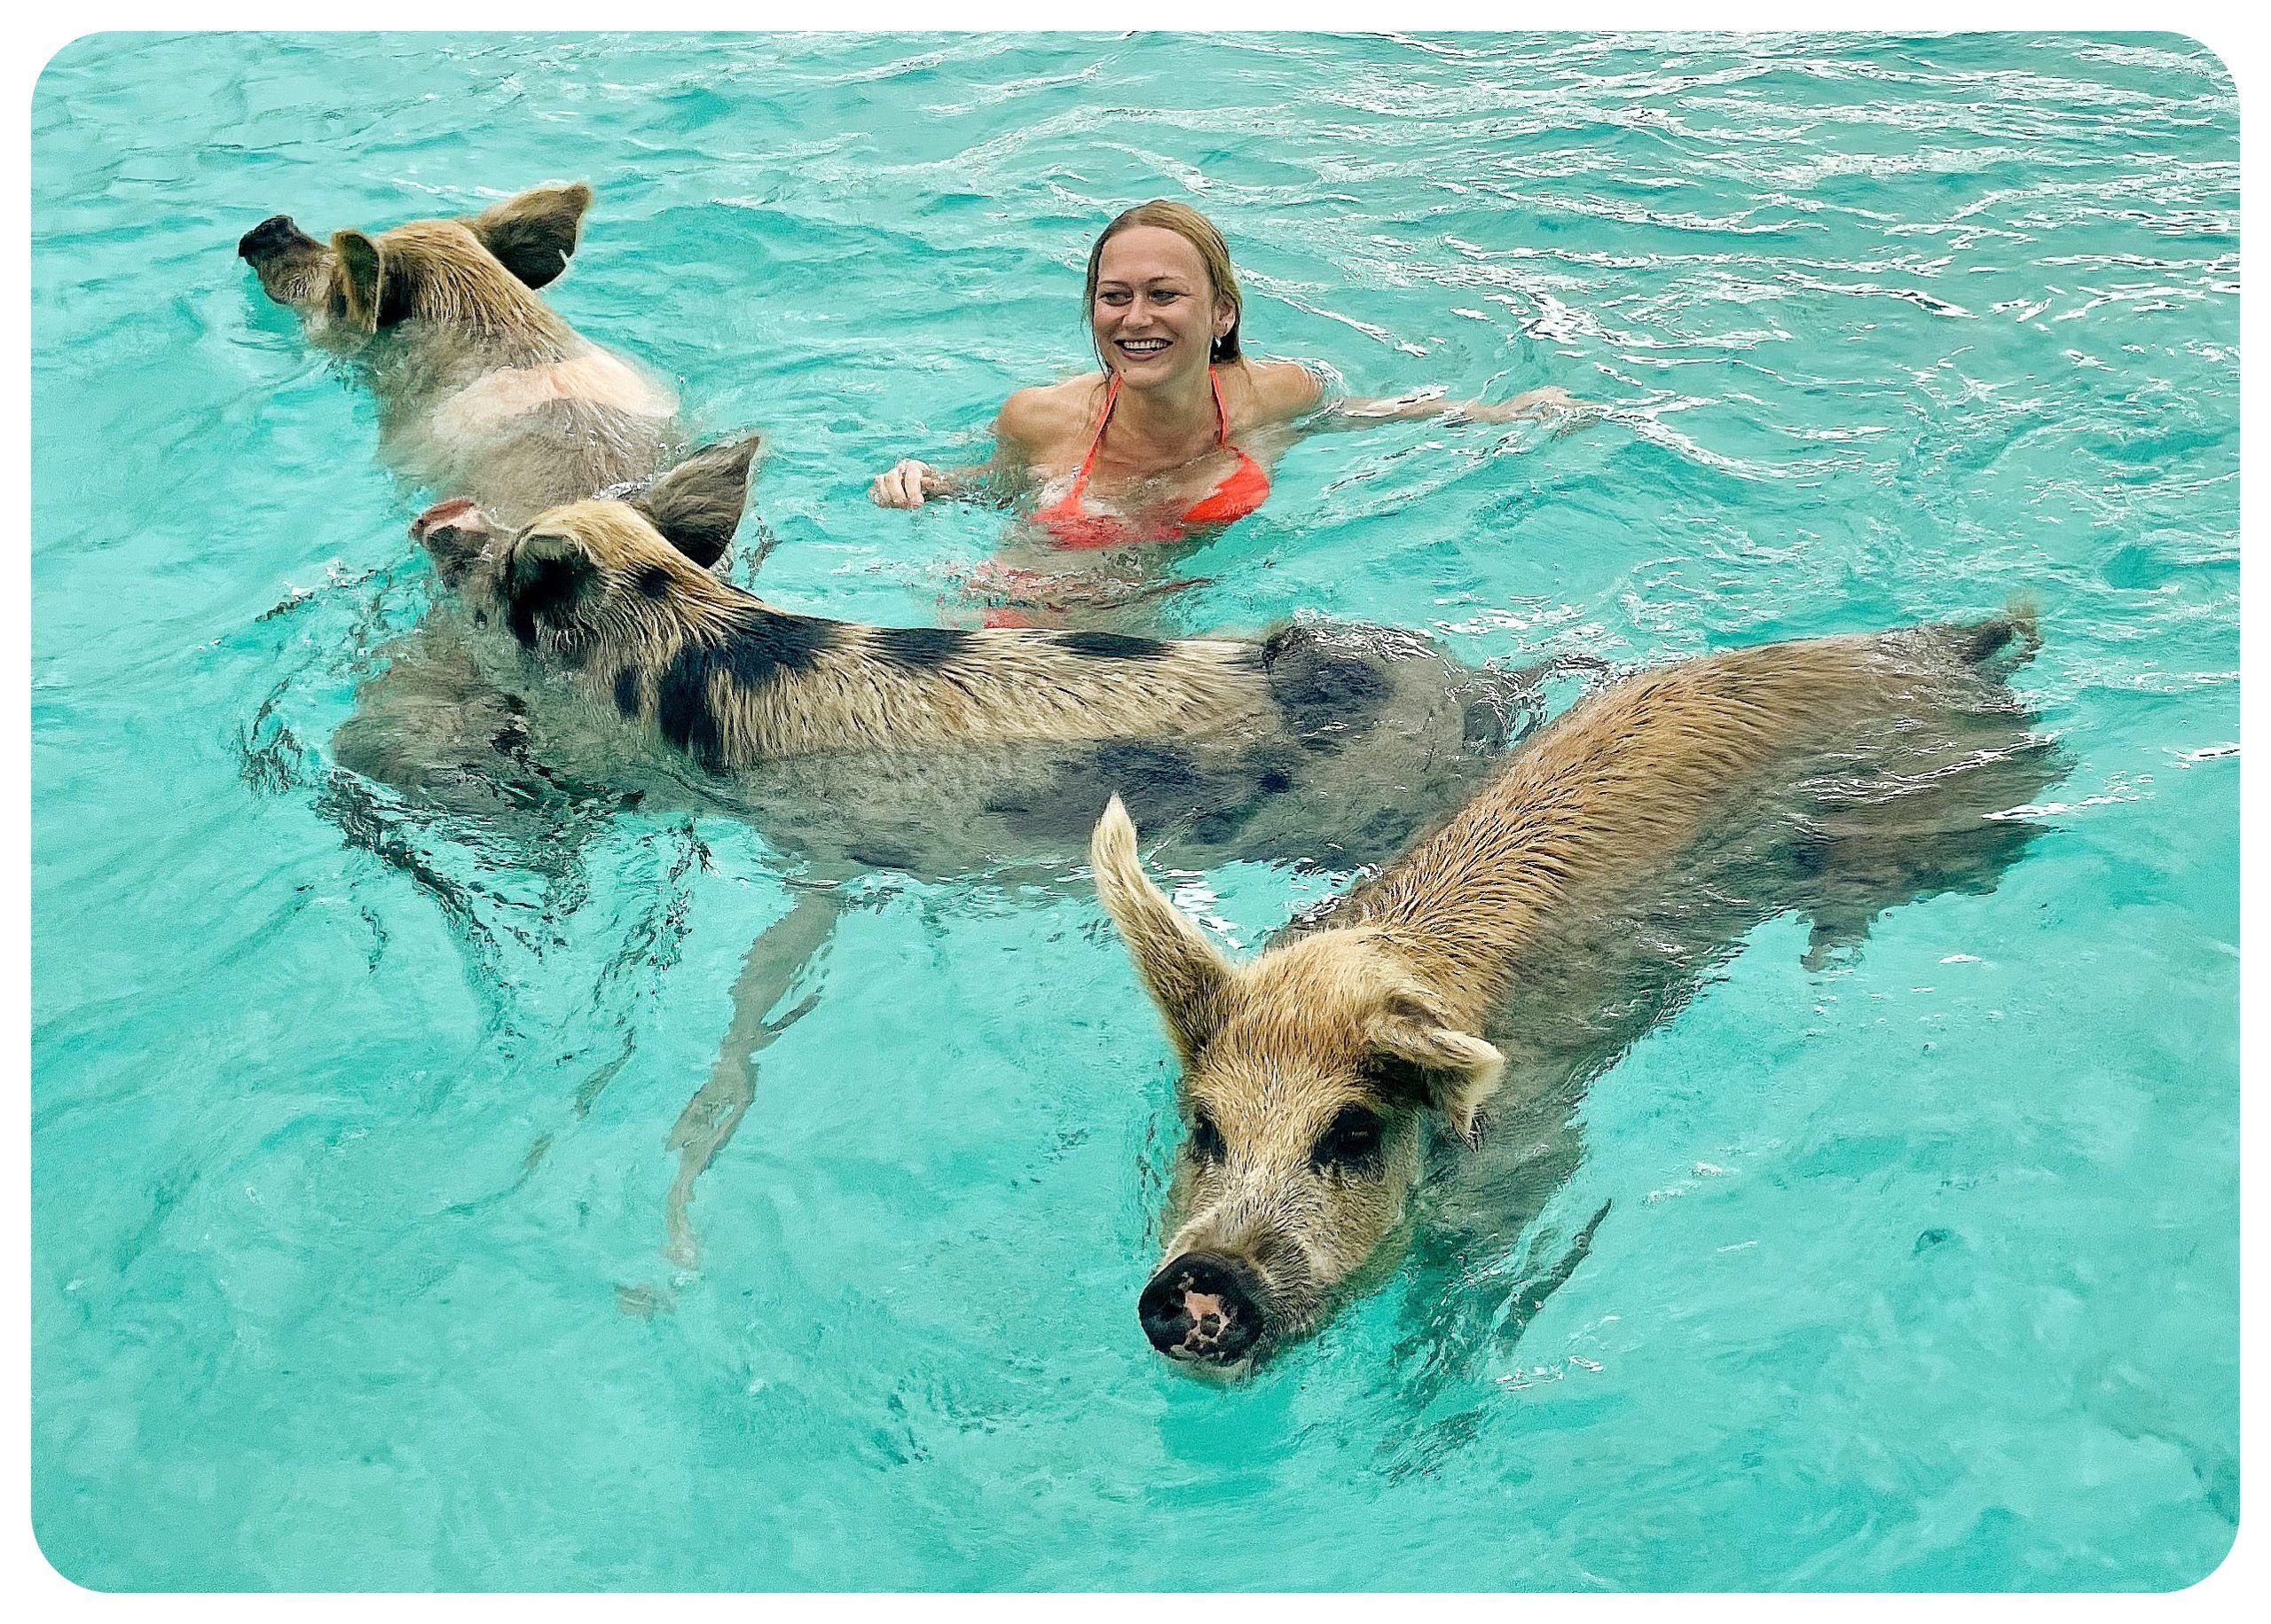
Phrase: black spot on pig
(918, 647)
(1110, 646)
(541, 588)
(1326, 695)
(704, 677)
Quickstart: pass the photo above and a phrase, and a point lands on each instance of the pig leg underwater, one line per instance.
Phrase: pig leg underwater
(775, 963)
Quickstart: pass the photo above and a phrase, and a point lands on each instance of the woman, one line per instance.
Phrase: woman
(1176, 434)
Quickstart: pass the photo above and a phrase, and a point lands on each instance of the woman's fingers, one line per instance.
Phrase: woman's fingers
(1552, 405)
(902, 486)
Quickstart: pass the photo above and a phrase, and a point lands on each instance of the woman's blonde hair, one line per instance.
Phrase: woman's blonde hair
(1194, 228)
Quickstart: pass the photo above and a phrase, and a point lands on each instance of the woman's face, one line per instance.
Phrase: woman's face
(1156, 317)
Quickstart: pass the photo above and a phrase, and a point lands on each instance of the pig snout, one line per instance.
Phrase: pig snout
(1204, 1306)
(274, 234)
(454, 534)
(458, 513)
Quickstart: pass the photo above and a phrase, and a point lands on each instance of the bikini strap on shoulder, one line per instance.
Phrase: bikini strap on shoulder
(1095, 441)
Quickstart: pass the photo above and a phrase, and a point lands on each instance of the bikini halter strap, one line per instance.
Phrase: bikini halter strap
(1112, 397)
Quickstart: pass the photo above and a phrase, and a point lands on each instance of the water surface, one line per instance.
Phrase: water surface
(349, 1122)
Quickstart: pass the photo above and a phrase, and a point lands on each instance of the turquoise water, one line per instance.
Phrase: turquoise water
(350, 1125)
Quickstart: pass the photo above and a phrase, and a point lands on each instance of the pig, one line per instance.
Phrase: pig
(942, 751)
(482, 389)
(1508, 956)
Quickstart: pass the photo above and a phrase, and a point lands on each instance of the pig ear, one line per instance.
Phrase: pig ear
(552, 570)
(698, 504)
(533, 234)
(362, 277)
(1458, 1071)
(1177, 964)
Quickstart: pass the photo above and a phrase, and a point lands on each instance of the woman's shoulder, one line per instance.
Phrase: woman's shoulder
(1050, 411)
(1278, 391)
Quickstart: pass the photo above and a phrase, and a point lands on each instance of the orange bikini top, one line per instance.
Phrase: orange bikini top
(1243, 490)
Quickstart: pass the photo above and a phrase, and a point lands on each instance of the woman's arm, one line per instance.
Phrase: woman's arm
(999, 480)
(1549, 403)
(910, 483)
(1308, 400)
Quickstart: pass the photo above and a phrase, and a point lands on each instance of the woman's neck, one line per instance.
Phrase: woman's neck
(1174, 420)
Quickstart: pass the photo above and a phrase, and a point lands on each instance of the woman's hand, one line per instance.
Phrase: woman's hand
(908, 484)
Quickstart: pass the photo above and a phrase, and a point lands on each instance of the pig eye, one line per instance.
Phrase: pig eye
(1350, 1142)
(1206, 1140)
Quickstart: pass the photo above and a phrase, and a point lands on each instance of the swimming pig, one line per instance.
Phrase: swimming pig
(482, 389)
(1507, 957)
(940, 750)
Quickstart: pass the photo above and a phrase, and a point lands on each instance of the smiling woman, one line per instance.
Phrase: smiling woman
(1176, 431)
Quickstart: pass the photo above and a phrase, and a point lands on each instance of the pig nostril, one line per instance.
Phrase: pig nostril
(1202, 1306)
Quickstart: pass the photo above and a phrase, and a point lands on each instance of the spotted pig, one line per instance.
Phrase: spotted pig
(939, 751)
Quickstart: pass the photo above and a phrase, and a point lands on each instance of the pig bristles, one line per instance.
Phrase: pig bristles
(457, 282)
(1615, 787)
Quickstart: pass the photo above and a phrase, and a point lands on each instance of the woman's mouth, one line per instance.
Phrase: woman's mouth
(1142, 348)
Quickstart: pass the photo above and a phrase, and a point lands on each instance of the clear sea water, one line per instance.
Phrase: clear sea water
(350, 1134)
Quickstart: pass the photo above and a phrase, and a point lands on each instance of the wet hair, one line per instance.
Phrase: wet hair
(1194, 228)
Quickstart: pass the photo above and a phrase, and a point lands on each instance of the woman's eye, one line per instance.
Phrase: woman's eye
(1351, 1143)
(1206, 1140)
(1112, 298)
